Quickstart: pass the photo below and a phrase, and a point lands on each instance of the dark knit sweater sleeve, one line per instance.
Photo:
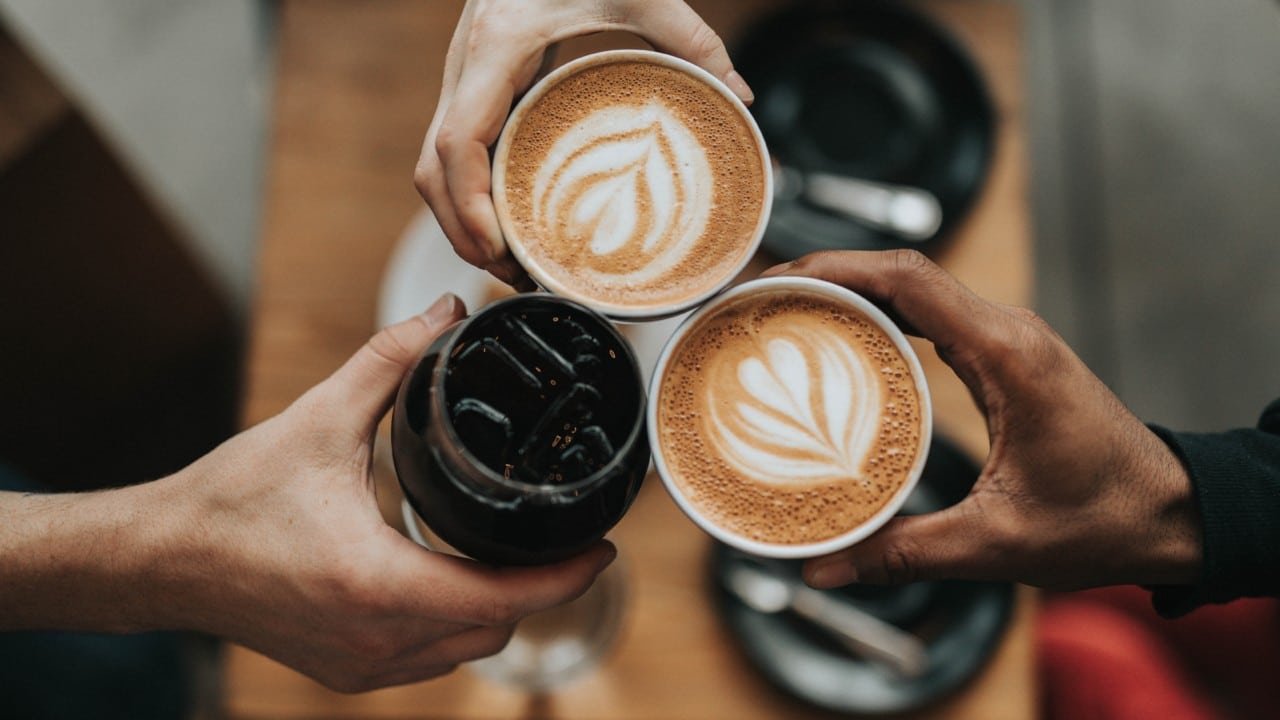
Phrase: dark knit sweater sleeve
(1236, 479)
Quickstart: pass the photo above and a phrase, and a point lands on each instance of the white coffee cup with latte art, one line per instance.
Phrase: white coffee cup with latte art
(789, 417)
(633, 182)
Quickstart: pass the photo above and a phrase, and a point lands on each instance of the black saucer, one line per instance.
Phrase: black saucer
(871, 90)
(960, 622)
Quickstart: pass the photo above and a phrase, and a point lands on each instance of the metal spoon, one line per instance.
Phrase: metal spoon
(863, 633)
(910, 213)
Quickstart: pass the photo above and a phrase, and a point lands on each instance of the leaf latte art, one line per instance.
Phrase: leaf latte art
(631, 189)
(807, 410)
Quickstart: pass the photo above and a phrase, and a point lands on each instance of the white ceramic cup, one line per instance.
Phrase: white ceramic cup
(842, 296)
(519, 245)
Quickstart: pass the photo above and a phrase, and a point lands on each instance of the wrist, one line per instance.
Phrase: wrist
(156, 559)
(175, 554)
(1174, 549)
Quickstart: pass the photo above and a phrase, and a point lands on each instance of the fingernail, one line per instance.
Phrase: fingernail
(443, 309)
(830, 573)
(739, 87)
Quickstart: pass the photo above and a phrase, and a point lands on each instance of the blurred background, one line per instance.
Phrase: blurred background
(130, 214)
(1156, 170)
(1155, 160)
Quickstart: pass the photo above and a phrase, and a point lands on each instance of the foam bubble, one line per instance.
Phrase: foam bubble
(788, 418)
(633, 189)
(805, 408)
(634, 183)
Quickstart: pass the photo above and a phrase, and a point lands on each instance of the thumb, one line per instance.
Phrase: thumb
(943, 544)
(364, 386)
(917, 293)
(969, 333)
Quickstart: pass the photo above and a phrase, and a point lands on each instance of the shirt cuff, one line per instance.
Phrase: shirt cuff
(1235, 477)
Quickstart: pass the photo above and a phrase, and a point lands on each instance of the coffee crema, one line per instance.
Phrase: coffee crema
(788, 417)
(633, 185)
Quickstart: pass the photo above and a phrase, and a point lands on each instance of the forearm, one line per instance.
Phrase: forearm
(85, 561)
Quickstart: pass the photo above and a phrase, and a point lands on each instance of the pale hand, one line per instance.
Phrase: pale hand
(499, 49)
(274, 541)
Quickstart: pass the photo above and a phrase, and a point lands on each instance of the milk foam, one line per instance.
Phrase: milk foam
(807, 411)
(632, 184)
(788, 417)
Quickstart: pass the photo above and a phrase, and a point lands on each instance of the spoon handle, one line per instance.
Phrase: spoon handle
(909, 212)
(863, 633)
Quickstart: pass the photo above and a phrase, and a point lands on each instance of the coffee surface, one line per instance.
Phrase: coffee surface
(541, 393)
(634, 184)
(788, 418)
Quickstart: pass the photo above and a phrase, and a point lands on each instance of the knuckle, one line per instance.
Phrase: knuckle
(1026, 315)
(358, 591)
(989, 522)
(804, 265)
(491, 22)
(424, 177)
(1038, 339)
(911, 263)
(704, 43)
(1031, 324)
(1025, 346)
(815, 260)
(898, 565)
(390, 347)
(498, 611)
(471, 216)
(812, 265)
(448, 138)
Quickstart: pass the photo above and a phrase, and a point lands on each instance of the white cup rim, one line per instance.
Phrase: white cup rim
(843, 540)
(620, 311)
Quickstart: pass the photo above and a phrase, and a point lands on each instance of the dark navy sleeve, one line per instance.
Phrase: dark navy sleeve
(1236, 479)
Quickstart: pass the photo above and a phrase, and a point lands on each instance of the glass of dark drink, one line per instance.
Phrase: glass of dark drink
(519, 439)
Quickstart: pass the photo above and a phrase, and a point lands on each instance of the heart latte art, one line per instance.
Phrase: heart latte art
(788, 418)
(631, 185)
(803, 409)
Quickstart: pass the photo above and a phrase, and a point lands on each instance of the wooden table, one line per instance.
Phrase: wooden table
(356, 87)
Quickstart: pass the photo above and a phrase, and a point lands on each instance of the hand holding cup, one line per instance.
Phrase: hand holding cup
(498, 49)
(1076, 491)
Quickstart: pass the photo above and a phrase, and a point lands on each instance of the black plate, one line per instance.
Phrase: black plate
(961, 622)
(870, 90)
